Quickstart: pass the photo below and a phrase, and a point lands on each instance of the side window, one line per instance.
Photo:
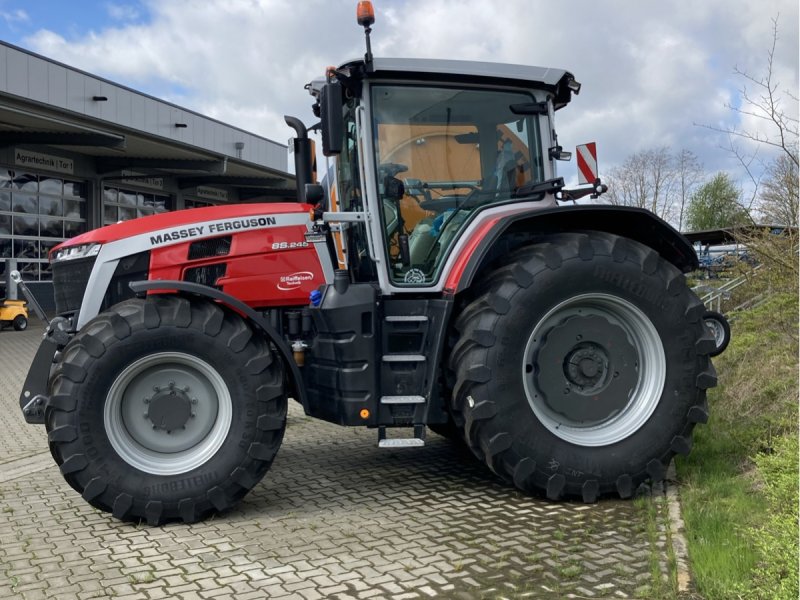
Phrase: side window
(351, 197)
(348, 175)
(442, 154)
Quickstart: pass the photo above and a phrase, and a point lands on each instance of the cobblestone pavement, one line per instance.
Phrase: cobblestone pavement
(334, 518)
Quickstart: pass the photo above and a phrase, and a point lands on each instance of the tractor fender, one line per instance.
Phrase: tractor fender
(232, 303)
(634, 223)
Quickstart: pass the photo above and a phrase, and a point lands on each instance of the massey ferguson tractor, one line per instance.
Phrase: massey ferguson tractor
(445, 280)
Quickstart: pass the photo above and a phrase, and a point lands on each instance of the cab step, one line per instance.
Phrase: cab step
(402, 399)
(413, 442)
(398, 358)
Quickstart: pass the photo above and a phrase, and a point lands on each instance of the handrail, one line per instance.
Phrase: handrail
(714, 296)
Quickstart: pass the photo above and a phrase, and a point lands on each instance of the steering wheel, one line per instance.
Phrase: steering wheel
(391, 169)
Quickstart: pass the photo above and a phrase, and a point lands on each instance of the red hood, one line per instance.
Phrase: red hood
(118, 231)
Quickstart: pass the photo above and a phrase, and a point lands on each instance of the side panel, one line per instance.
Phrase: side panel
(273, 267)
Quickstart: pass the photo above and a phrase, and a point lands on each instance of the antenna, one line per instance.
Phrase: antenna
(366, 17)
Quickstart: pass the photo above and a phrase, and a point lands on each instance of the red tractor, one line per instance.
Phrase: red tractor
(440, 282)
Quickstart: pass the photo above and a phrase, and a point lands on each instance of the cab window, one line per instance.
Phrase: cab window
(441, 155)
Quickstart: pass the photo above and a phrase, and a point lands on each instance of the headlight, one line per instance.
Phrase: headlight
(73, 252)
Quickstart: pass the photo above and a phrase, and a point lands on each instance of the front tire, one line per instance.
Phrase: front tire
(582, 368)
(166, 409)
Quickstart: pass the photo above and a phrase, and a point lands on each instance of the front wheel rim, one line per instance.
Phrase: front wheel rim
(623, 337)
(168, 413)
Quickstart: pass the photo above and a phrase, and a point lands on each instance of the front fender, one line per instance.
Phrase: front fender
(195, 289)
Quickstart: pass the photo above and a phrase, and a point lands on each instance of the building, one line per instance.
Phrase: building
(78, 152)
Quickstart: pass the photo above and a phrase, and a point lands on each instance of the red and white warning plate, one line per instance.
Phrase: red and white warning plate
(587, 162)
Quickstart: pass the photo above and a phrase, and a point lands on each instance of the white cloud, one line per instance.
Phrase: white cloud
(14, 16)
(122, 12)
(650, 70)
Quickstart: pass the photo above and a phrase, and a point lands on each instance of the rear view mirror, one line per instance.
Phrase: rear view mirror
(315, 193)
(330, 106)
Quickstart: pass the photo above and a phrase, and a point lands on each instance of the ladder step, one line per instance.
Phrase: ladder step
(402, 399)
(404, 358)
(401, 443)
(406, 319)
(413, 442)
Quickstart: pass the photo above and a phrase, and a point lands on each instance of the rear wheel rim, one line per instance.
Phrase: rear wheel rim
(620, 364)
(168, 413)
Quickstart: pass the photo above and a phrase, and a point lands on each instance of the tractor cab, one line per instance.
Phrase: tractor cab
(423, 146)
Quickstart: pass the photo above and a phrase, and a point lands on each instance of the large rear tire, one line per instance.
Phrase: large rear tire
(582, 367)
(166, 409)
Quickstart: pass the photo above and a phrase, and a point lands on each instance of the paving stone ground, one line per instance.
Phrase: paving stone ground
(335, 517)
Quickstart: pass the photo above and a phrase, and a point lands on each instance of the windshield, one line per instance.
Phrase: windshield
(442, 154)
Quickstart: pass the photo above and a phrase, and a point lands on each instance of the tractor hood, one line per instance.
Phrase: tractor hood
(176, 219)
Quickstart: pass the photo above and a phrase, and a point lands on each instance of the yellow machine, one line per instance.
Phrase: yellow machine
(15, 313)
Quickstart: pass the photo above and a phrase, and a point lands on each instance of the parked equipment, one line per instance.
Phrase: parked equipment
(720, 329)
(13, 313)
(439, 283)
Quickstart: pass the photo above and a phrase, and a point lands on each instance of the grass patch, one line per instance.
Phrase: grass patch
(719, 508)
(739, 485)
(654, 515)
(776, 539)
(571, 571)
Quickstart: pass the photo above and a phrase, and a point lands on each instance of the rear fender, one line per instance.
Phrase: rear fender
(230, 303)
(504, 234)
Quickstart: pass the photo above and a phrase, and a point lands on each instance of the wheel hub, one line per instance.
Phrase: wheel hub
(167, 413)
(587, 369)
(170, 408)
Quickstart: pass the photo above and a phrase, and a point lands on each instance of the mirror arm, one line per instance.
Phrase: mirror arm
(598, 189)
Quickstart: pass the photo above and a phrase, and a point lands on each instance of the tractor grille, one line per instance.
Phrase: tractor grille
(206, 275)
(220, 246)
(129, 269)
(70, 278)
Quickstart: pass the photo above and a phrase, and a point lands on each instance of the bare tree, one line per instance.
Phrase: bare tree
(689, 173)
(779, 192)
(645, 180)
(768, 105)
(762, 99)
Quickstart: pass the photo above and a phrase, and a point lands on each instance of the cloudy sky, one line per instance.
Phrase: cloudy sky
(652, 72)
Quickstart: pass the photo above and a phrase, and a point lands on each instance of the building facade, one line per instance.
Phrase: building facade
(78, 152)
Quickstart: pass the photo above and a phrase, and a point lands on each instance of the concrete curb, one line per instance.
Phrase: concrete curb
(676, 526)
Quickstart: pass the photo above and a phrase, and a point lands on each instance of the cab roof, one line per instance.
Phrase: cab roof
(555, 80)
